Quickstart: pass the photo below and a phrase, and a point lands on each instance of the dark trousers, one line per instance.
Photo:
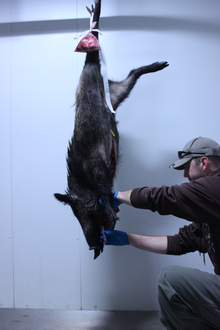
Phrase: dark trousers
(189, 299)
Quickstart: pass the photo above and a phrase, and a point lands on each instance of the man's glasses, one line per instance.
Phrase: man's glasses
(182, 154)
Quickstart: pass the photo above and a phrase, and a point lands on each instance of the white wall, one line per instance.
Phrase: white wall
(45, 261)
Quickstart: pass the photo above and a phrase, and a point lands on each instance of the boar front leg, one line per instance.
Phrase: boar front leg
(104, 187)
(120, 90)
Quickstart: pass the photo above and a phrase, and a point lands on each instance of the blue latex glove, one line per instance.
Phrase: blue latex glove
(115, 237)
(116, 202)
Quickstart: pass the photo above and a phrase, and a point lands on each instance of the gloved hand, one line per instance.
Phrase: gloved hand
(115, 237)
(116, 202)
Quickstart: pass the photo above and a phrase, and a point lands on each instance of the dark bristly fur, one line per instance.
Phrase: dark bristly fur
(93, 151)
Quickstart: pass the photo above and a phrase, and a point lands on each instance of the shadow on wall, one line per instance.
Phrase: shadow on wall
(117, 23)
(143, 170)
(139, 170)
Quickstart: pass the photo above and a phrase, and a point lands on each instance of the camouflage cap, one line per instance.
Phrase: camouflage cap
(198, 147)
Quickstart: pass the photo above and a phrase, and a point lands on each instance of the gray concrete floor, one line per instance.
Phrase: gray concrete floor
(37, 319)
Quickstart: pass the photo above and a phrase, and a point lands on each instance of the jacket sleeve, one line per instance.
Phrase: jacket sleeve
(189, 239)
(194, 201)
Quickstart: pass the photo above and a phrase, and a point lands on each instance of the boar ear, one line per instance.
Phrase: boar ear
(66, 199)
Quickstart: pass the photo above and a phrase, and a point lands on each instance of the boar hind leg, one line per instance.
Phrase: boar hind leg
(93, 57)
(96, 14)
(120, 90)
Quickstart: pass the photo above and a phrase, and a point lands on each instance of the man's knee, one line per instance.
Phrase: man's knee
(169, 274)
(183, 291)
(169, 281)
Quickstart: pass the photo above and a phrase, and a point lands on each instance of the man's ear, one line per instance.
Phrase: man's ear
(66, 199)
(204, 161)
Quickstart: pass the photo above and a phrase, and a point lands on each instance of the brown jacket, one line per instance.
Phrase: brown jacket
(197, 201)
